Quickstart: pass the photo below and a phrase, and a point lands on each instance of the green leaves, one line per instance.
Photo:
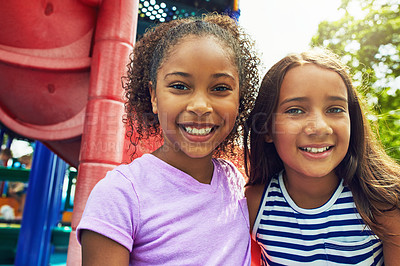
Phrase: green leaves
(368, 39)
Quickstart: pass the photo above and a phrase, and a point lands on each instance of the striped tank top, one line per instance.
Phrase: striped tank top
(333, 234)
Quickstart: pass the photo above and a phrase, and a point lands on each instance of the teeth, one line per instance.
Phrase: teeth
(315, 150)
(198, 131)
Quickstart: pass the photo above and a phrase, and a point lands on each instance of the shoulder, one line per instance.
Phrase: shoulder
(390, 220)
(230, 176)
(133, 172)
(137, 164)
(112, 208)
(121, 182)
(253, 195)
(229, 169)
(254, 191)
(114, 186)
(225, 163)
(114, 178)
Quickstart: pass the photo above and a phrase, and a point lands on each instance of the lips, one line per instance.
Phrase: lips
(197, 131)
(319, 152)
(315, 149)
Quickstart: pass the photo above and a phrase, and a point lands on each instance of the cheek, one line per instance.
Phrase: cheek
(167, 114)
(283, 127)
(230, 119)
(229, 110)
(343, 129)
(236, 112)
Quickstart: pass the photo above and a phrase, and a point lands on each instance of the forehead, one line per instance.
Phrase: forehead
(311, 80)
(206, 42)
(194, 50)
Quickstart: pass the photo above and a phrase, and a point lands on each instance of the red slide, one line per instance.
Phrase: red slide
(61, 63)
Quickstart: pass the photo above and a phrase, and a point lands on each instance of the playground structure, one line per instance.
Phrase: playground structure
(61, 64)
(47, 204)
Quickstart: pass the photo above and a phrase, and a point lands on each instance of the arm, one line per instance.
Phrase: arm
(391, 245)
(254, 195)
(99, 250)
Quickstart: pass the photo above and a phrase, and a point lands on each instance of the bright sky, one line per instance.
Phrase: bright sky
(280, 27)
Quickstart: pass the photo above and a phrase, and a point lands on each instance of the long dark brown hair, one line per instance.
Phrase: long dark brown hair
(371, 175)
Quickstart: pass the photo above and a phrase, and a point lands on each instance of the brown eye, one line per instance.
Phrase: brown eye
(179, 87)
(335, 110)
(294, 111)
(222, 88)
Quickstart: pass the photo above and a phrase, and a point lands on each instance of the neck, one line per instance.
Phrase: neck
(310, 192)
(200, 169)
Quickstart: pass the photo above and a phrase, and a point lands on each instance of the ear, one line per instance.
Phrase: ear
(268, 138)
(153, 97)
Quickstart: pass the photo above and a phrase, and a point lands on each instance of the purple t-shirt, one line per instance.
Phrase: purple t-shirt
(163, 216)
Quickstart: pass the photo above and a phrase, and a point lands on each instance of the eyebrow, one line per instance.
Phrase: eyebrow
(226, 75)
(183, 74)
(305, 99)
(186, 75)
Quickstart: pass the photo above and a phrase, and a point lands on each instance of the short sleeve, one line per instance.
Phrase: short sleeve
(112, 210)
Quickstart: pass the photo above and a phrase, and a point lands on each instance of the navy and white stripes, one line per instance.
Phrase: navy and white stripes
(333, 234)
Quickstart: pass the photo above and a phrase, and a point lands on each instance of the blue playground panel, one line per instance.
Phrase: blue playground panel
(39, 239)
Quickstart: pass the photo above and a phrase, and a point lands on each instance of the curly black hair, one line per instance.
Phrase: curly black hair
(151, 51)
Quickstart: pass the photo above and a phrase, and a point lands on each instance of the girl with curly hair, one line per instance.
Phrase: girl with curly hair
(321, 189)
(191, 82)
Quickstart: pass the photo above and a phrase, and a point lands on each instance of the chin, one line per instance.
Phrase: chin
(198, 154)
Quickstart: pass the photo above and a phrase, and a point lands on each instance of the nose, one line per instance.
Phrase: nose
(318, 125)
(199, 104)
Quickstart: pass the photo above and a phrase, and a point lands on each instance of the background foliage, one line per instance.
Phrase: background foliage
(369, 42)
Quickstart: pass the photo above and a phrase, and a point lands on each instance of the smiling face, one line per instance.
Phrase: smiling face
(196, 98)
(311, 125)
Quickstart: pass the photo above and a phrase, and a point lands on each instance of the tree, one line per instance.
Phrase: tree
(369, 42)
